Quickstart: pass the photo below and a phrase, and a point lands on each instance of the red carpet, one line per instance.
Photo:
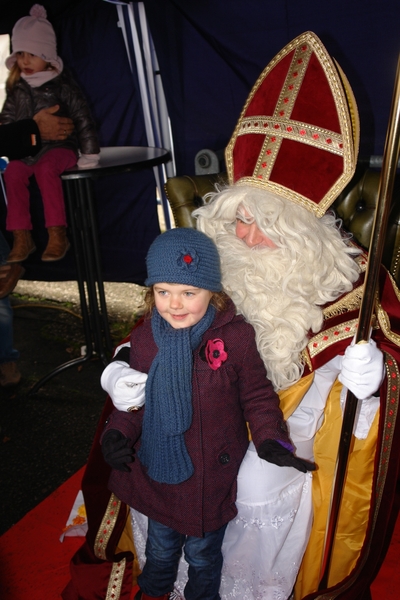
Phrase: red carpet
(34, 564)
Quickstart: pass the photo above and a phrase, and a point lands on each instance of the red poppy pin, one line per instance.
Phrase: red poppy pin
(215, 354)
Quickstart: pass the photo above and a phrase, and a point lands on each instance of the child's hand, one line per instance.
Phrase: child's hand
(273, 452)
(117, 451)
(88, 161)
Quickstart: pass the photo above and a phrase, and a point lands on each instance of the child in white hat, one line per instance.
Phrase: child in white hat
(38, 80)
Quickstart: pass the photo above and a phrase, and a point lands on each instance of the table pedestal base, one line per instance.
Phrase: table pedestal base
(80, 202)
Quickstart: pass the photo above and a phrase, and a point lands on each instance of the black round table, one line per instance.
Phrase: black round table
(80, 202)
(120, 159)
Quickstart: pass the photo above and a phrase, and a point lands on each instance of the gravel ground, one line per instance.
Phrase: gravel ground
(123, 299)
(46, 437)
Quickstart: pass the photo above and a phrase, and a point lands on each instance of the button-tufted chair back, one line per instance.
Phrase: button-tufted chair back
(356, 207)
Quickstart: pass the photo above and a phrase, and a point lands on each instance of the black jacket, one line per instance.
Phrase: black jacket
(24, 101)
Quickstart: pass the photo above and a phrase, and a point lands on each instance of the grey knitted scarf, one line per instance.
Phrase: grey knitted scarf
(168, 412)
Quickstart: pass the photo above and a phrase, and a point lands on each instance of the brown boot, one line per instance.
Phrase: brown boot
(23, 246)
(9, 374)
(9, 275)
(58, 244)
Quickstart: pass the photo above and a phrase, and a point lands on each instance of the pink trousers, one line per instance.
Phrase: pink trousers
(47, 171)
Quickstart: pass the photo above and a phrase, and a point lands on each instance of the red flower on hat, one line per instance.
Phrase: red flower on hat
(215, 353)
(187, 260)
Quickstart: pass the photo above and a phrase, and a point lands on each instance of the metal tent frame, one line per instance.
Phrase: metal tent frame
(145, 68)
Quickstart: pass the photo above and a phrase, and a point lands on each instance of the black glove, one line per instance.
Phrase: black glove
(116, 450)
(275, 453)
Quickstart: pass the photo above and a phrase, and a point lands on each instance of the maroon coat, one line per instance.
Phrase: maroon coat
(217, 440)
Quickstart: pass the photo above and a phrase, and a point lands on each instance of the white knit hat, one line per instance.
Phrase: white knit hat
(35, 34)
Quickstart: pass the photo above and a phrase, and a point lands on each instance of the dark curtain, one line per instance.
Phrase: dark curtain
(212, 51)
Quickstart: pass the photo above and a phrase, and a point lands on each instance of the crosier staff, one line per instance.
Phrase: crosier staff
(385, 190)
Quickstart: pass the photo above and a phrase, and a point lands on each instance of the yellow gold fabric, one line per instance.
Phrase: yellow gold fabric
(353, 518)
(291, 398)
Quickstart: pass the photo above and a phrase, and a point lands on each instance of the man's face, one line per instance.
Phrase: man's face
(248, 231)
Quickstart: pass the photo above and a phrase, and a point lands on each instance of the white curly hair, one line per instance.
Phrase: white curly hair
(281, 290)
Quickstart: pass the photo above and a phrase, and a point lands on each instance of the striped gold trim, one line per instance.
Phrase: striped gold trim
(383, 317)
(362, 261)
(394, 285)
(351, 301)
(306, 359)
(318, 137)
(107, 527)
(328, 337)
(384, 323)
(115, 581)
(392, 407)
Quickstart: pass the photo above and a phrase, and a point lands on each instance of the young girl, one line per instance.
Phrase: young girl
(205, 381)
(37, 80)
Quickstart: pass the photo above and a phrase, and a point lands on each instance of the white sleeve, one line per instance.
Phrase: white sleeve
(125, 386)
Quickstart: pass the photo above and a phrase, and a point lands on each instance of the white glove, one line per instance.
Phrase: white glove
(362, 369)
(125, 386)
(118, 348)
(87, 161)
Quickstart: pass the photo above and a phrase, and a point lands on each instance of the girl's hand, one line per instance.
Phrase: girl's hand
(117, 451)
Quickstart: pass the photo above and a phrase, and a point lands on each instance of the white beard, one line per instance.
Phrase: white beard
(266, 290)
(279, 291)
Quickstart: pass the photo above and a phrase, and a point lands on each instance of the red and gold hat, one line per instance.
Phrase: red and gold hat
(297, 135)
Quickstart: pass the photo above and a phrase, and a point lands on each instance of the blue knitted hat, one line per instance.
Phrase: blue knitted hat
(186, 256)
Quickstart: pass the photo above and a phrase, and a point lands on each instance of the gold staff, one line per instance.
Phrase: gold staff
(385, 190)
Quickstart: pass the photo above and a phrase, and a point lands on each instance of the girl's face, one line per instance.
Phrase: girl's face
(29, 63)
(181, 305)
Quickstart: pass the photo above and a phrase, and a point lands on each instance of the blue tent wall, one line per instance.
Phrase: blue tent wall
(212, 52)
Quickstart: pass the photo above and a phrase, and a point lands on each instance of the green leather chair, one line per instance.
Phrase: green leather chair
(186, 193)
(355, 206)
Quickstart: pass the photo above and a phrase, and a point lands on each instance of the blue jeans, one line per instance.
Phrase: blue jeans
(163, 551)
(7, 352)
(4, 249)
